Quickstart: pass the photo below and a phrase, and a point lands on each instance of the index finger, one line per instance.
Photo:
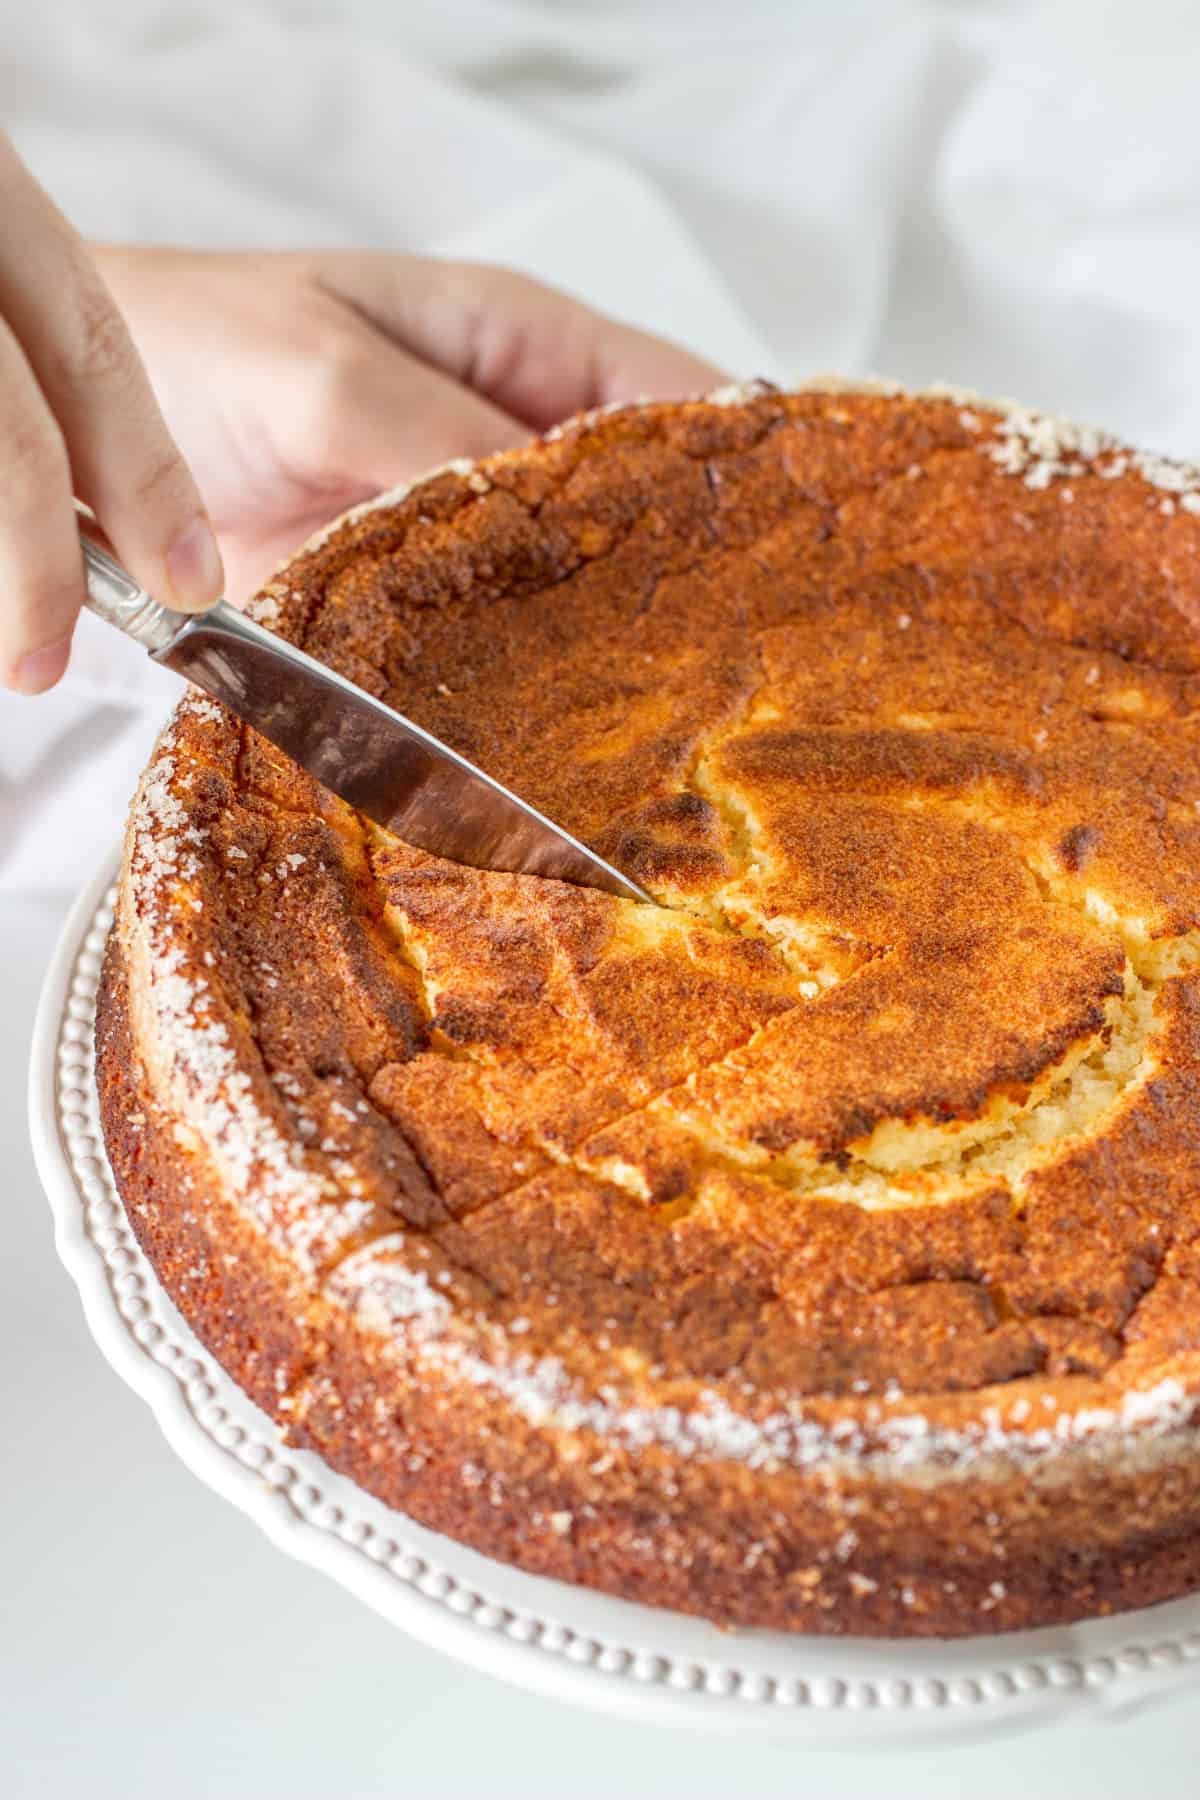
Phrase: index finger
(123, 460)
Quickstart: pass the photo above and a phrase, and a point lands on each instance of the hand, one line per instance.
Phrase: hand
(77, 415)
(299, 383)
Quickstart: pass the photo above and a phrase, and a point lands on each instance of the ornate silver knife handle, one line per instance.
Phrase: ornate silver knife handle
(114, 596)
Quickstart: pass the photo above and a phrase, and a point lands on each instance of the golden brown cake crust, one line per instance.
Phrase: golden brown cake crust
(817, 1249)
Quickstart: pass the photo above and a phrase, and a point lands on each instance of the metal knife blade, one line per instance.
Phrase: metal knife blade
(381, 763)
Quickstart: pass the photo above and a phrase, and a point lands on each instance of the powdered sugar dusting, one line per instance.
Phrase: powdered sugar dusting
(399, 1303)
(263, 1169)
(200, 707)
(267, 605)
(737, 393)
(1042, 449)
(390, 1295)
(902, 1446)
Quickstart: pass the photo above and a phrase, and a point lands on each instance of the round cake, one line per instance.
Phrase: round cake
(818, 1247)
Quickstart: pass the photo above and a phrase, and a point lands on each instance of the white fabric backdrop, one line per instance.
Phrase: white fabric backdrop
(1002, 195)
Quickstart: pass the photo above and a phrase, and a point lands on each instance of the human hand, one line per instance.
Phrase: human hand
(301, 382)
(77, 417)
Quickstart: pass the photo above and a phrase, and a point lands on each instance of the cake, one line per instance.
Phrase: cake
(816, 1248)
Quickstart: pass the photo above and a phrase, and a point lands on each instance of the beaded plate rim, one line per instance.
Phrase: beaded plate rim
(539, 1634)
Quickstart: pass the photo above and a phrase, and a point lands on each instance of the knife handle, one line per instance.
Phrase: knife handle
(114, 596)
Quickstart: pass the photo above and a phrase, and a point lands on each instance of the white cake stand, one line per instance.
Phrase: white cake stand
(542, 1635)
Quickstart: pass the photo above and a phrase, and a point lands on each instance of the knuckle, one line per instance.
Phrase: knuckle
(501, 353)
(324, 327)
(97, 350)
(509, 291)
(160, 480)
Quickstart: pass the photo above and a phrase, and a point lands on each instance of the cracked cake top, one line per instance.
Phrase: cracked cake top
(889, 1108)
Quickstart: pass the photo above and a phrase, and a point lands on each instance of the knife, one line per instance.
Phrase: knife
(379, 762)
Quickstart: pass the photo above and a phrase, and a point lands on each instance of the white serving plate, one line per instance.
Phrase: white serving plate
(543, 1635)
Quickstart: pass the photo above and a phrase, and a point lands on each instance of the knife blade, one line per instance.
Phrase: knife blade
(379, 762)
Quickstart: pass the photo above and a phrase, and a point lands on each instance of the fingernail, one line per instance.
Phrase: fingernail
(194, 567)
(40, 669)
